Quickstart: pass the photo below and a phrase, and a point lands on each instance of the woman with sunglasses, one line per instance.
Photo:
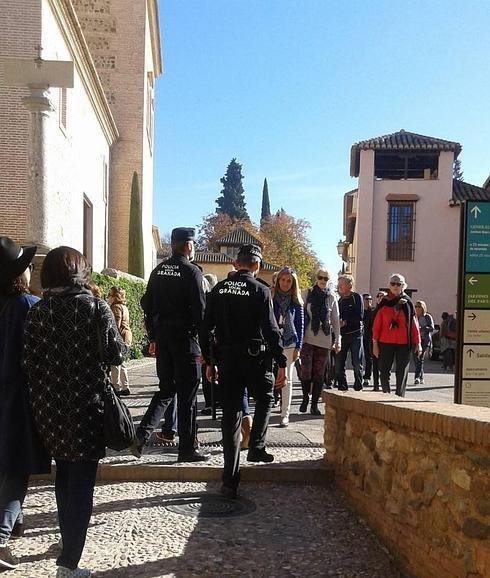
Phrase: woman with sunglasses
(288, 311)
(395, 333)
(321, 319)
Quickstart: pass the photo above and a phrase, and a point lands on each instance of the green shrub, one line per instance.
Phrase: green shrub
(134, 292)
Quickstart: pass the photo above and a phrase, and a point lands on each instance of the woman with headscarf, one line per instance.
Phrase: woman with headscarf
(21, 450)
(321, 320)
(289, 314)
(395, 333)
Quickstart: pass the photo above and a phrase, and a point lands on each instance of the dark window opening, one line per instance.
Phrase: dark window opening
(400, 244)
(397, 166)
(88, 229)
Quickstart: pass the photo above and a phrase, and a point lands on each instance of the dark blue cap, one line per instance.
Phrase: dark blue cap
(181, 234)
(253, 250)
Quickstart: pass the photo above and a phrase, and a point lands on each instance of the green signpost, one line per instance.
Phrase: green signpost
(472, 379)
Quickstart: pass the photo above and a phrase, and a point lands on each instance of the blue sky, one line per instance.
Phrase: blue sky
(287, 86)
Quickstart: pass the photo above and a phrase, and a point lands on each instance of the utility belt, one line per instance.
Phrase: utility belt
(253, 348)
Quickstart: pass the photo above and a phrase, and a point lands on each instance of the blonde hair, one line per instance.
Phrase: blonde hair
(423, 306)
(118, 294)
(295, 290)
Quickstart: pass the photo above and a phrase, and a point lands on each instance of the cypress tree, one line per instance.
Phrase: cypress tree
(135, 244)
(266, 206)
(232, 200)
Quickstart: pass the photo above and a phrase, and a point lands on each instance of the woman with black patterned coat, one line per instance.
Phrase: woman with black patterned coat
(67, 333)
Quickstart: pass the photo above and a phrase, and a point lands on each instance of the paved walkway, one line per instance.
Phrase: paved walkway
(137, 531)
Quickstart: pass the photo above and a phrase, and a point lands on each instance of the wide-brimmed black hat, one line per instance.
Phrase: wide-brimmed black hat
(14, 259)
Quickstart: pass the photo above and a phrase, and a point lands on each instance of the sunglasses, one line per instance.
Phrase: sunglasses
(321, 278)
(395, 283)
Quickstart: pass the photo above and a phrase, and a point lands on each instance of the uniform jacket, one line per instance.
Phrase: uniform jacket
(239, 309)
(21, 449)
(66, 376)
(174, 301)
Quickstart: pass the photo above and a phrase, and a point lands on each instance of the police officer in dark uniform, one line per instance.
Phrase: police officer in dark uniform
(240, 335)
(174, 307)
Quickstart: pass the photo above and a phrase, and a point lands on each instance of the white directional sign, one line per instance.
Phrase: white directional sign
(476, 392)
(476, 361)
(476, 326)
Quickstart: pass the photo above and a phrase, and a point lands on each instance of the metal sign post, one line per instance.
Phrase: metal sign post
(472, 378)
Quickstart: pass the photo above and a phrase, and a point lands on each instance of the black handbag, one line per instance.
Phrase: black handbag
(119, 430)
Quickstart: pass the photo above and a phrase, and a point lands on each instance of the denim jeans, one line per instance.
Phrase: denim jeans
(74, 490)
(170, 418)
(351, 342)
(419, 362)
(13, 490)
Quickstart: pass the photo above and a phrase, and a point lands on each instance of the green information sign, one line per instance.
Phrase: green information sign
(477, 247)
(477, 291)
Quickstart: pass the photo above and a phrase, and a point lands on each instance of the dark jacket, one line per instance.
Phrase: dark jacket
(239, 310)
(174, 300)
(351, 310)
(66, 376)
(21, 449)
(298, 313)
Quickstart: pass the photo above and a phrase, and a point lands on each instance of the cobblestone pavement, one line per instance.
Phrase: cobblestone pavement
(295, 530)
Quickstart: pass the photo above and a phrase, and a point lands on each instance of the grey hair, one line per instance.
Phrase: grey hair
(399, 278)
(349, 279)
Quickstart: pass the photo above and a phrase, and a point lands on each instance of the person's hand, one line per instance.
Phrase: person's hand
(417, 349)
(211, 373)
(152, 349)
(376, 349)
(295, 354)
(336, 347)
(343, 323)
(281, 378)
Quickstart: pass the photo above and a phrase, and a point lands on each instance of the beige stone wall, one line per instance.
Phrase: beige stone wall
(419, 472)
(20, 31)
(118, 36)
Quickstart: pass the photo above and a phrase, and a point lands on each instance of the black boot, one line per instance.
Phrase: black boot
(306, 397)
(315, 396)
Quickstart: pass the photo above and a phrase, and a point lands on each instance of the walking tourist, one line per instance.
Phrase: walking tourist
(448, 340)
(117, 302)
(174, 306)
(70, 340)
(21, 450)
(374, 360)
(367, 337)
(289, 314)
(395, 334)
(240, 320)
(426, 326)
(351, 313)
(321, 318)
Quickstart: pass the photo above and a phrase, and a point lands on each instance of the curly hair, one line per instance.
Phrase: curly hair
(15, 286)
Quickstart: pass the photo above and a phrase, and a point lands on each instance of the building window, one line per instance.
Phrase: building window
(150, 109)
(394, 166)
(62, 108)
(401, 231)
(88, 229)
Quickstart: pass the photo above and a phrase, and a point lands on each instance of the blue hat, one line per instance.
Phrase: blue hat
(253, 250)
(181, 234)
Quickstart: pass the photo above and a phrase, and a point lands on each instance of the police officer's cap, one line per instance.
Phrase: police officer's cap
(252, 250)
(181, 234)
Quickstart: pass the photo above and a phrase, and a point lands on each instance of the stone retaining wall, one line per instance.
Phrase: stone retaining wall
(419, 472)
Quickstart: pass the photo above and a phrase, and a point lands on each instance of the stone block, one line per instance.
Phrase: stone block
(417, 483)
(461, 478)
(483, 506)
(478, 459)
(369, 440)
(474, 528)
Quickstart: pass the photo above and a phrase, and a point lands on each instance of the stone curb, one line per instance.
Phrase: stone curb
(323, 474)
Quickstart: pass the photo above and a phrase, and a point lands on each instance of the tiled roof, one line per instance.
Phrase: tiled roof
(465, 192)
(401, 140)
(238, 237)
(208, 257)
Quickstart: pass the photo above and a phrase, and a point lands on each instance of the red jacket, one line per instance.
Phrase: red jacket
(397, 335)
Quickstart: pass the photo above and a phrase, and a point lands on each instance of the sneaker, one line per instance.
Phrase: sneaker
(136, 448)
(207, 411)
(193, 457)
(416, 381)
(284, 422)
(259, 455)
(7, 559)
(64, 572)
(230, 493)
(422, 381)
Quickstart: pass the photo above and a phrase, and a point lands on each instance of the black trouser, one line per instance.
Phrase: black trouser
(389, 352)
(351, 342)
(236, 372)
(74, 490)
(178, 370)
(368, 360)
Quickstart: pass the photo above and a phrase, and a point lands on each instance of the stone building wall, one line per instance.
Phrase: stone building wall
(419, 472)
(20, 32)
